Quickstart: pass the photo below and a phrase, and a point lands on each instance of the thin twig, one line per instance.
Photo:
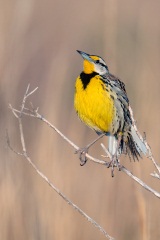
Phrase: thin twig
(9, 145)
(24, 100)
(59, 192)
(156, 175)
(157, 194)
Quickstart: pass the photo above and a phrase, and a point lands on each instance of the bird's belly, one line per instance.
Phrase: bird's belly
(95, 108)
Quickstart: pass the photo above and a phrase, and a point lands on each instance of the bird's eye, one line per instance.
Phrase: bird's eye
(97, 61)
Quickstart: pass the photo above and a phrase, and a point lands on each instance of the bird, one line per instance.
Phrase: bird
(101, 102)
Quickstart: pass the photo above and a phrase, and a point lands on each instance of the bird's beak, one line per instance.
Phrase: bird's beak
(85, 56)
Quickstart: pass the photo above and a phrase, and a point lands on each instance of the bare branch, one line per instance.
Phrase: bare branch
(25, 155)
(35, 114)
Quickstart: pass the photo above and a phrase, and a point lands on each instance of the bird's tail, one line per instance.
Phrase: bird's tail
(136, 144)
(132, 145)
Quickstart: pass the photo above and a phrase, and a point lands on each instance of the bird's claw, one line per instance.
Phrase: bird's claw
(114, 163)
(82, 155)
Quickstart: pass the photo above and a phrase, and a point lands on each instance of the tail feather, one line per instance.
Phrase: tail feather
(135, 145)
(138, 140)
(132, 148)
(132, 145)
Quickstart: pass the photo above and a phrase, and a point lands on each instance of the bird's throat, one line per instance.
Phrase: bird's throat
(85, 78)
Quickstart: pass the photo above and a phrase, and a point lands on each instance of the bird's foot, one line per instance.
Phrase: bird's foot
(83, 151)
(82, 155)
(114, 163)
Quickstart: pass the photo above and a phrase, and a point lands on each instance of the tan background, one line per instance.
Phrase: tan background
(38, 42)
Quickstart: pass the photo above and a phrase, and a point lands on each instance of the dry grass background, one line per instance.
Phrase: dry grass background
(37, 46)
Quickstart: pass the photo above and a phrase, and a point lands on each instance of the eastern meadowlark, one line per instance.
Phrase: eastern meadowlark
(101, 102)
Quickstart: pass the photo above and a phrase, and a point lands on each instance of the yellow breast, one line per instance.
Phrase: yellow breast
(94, 105)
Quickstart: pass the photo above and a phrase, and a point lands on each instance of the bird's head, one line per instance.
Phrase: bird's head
(93, 63)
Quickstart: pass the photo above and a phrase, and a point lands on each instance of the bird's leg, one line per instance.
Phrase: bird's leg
(82, 151)
(114, 163)
(114, 159)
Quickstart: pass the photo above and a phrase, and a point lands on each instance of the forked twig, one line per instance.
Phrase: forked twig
(34, 113)
(18, 114)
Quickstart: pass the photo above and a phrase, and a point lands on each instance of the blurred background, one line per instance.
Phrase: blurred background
(38, 46)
